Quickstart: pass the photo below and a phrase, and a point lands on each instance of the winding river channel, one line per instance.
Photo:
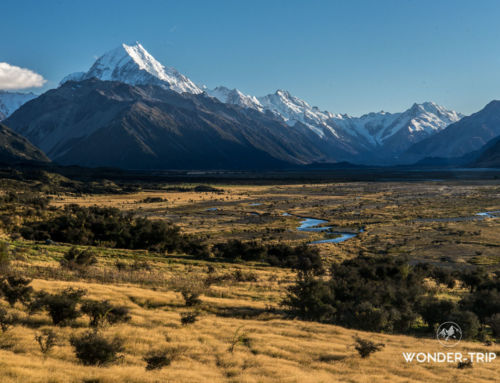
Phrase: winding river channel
(313, 225)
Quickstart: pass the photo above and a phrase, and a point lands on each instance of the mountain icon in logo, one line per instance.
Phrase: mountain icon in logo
(449, 334)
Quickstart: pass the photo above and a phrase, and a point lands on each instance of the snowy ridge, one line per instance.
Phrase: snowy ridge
(374, 129)
(420, 120)
(293, 110)
(133, 65)
(10, 102)
(234, 96)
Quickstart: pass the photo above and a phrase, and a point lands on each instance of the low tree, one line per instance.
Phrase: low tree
(46, 340)
(62, 307)
(239, 337)
(366, 347)
(310, 298)
(494, 322)
(102, 312)
(16, 289)
(434, 311)
(468, 322)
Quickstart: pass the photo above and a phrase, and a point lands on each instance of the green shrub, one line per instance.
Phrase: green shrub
(366, 347)
(62, 307)
(91, 348)
(310, 299)
(97, 225)
(239, 337)
(494, 323)
(368, 293)
(103, 312)
(46, 340)
(242, 276)
(468, 322)
(158, 359)
(303, 257)
(190, 288)
(434, 311)
(16, 289)
(75, 258)
(6, 319)
(4, 257)
(189, 317)
(465, 364)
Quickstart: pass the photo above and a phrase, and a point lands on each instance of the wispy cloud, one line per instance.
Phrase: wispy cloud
(14, 77)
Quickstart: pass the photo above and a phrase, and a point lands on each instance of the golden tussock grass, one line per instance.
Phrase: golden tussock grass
(278, 351)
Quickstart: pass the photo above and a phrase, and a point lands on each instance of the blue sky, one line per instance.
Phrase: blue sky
(343, 56)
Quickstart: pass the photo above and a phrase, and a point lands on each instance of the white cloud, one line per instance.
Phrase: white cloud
(14, 77)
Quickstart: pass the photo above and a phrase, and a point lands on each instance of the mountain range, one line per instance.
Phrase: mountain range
(11, 101)
(128, 110)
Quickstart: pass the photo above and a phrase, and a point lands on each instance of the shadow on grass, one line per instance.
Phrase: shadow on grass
(245, 312)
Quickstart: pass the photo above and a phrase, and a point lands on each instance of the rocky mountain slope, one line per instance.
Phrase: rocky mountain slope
(104, 123)
(14, 148)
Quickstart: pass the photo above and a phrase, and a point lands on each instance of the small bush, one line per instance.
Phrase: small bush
(75, 258)
(434, 311)
(239, 337)
(310, 299)
(465, 364)
(366, 347)
(153, 200)
(103, 312)
(140, 265)
(494, 323)
(16, 289)
(91, 348)
(62, 307)
(190, 288)
(6, 320)
(4, 257)
(189, 317)
(241, 276)
(47, 339)
(158, 359)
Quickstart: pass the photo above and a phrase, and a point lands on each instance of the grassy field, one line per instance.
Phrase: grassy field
(397, 218)
(278, 350)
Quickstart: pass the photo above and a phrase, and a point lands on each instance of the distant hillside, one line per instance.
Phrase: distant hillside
(489, 155)
(15, 148)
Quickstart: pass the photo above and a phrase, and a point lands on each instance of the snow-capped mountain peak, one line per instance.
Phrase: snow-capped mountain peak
(234, 96)
(132, 64)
